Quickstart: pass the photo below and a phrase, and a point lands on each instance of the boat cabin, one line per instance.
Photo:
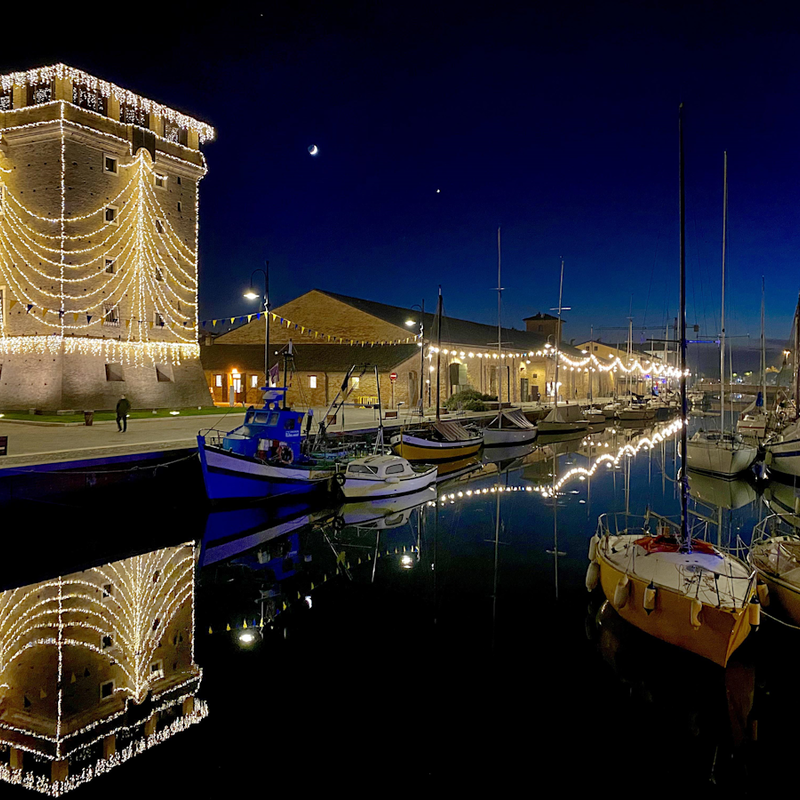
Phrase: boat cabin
(270, 433)
(381, 468)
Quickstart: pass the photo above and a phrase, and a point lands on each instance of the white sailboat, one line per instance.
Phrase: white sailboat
(556, 423)
(681, 590)
(721, 452)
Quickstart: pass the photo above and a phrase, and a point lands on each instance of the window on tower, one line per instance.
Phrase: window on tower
(111, 315)
(110, 164)
(39, 93)
(111, 215)
(90, 97)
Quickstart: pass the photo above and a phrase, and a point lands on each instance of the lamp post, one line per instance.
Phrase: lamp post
(421, 352)
(251, 295)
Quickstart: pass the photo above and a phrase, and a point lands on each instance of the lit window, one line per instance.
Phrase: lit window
(253, 381)
(237, 383)
(312, 381)
(356, 381)
(218, 381)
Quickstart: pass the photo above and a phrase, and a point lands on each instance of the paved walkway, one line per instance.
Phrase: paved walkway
(40, 444)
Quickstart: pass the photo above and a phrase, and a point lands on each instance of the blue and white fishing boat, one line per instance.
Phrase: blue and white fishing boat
(264, 457)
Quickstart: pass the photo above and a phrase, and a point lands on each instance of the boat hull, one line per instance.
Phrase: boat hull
(719, 460)
(228, 476)
(366, 489)
(784, 456)
(721, 630)
(415, 448)
(507, 437)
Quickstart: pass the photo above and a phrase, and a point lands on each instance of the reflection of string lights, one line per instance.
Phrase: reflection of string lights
(450, 498)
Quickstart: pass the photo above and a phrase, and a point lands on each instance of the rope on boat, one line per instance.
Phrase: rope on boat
(782, 622)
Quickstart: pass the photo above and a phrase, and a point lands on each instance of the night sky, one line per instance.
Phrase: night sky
(436, 123)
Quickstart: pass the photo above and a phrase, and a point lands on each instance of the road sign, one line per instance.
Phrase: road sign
(393, 377)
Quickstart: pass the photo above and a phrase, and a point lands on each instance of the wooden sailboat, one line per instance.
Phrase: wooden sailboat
(555, 423)
(721, 452)
(676, 588)
(445, 440)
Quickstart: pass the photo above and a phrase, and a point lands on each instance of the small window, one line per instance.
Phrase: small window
(106, 641)
(108, 590)
(159, 274)
(163, 373)
(161, 181)
(111, 215)
(106, 689)
(110, 164)
(254, 381)
(158, 320)
(312, 381)
(355, 382)
(110, 266)
(114, 372)
(157, 669)
(360, 469)
(218, 381)
(159, 226)
(394, 469)
(180, 208)
(288, 425)
(178, 180)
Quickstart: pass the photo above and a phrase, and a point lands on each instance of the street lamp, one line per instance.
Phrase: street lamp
(410, 322)
(250, 294)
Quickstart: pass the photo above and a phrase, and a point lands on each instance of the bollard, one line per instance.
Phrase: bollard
(88, 417)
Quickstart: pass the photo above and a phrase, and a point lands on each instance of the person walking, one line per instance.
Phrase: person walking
(123, 407)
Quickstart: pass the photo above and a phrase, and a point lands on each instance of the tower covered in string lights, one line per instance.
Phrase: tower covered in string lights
(99, 206)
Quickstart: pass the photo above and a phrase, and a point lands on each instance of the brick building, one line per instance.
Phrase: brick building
(468, 358)
(98, 245)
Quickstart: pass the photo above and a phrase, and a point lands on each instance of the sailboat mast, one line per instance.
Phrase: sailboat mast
(558, 334)
(763, 354)
(797, 360)
(722, 312)
(438, 353)
(499, 337)
(687, 542)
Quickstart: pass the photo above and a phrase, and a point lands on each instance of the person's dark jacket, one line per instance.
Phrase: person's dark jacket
(123, 407)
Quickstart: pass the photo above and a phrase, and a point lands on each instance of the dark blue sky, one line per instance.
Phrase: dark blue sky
(556, 121)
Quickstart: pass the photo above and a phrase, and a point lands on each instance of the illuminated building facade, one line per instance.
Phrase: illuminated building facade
(96, 667)
(98, 245)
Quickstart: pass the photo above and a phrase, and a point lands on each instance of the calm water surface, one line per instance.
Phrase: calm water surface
(443, 640)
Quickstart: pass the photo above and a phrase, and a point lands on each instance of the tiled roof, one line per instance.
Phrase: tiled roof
(454, 331)
(307, 357)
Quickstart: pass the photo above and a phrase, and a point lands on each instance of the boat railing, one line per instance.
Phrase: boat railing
(775, 525)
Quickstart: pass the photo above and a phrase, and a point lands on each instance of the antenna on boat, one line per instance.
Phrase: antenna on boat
(438, 353)
(686, 544)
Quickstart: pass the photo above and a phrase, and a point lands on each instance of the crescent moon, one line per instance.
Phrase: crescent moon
(313, 150)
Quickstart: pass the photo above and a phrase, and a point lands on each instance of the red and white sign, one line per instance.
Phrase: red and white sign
(393, 377)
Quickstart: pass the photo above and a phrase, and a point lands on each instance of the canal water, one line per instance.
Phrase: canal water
(443, 640)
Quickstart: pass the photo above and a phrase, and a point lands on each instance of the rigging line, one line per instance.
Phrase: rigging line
(650, 286)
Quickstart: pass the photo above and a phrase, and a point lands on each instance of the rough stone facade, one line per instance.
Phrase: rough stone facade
(73, 277)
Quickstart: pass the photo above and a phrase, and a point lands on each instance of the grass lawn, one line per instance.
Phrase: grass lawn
(100, 416)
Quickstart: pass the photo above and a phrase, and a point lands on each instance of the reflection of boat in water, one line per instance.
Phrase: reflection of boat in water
(455, 469)
(781, 498)
(560, 436)
(385, 513)
(720, 492)
(506, 455)
(775, 554)
(229, 533)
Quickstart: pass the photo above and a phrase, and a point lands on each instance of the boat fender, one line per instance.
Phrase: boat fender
(593, 545)
(694, 612)
(592, 576)
(621, 592)
(339, 478)
(768, 458)
(285, 454)
(649, 601)
(762, 590)
(755, 613)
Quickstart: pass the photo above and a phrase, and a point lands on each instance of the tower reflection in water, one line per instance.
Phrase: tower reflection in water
(95, 667)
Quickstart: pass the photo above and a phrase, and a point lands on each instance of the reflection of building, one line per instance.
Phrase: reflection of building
(98, 245)
(96, 667)
(469, 356)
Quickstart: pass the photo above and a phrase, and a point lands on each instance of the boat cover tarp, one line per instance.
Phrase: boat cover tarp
(554, 416)
(452, 431)
(517, 419)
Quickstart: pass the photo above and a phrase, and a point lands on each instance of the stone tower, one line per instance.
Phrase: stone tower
(98, 245)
